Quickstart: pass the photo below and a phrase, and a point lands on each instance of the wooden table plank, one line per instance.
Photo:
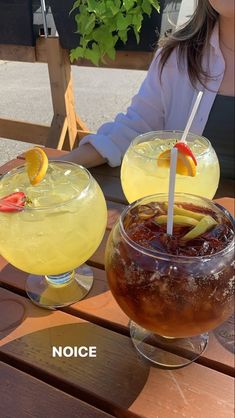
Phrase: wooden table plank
(106, 170)
(111, 188)
(23, 395)
(9, 166)
(110, 381)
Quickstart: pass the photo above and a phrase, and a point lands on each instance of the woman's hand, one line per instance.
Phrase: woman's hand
(85, 155)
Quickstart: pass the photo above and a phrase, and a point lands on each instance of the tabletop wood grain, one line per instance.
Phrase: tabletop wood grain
(23, 395)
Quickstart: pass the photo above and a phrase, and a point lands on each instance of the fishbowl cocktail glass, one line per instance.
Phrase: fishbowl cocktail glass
(58, 229)
(141, 174)
(173, 290)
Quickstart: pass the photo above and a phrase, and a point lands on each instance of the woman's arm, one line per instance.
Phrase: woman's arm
(85, 155)
(112, 139)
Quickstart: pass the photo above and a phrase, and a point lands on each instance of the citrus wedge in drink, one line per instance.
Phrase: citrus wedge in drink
(36, 165)
(186, 162)
(183, 148)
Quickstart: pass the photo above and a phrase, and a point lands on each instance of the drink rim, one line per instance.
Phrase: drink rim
(55, 205)
(155, 133)
(173, 257)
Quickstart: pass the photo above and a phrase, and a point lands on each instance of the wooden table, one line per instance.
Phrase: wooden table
(117, 382)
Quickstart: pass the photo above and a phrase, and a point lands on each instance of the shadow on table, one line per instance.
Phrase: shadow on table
(225, 334)
(12, 314)
(115, 376)
(14, 309)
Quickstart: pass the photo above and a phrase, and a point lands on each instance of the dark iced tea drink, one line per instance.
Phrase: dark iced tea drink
(179, 285)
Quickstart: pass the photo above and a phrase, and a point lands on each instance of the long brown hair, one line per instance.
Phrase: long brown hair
(191, 40)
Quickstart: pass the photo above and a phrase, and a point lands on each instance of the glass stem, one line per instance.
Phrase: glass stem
(59, 279)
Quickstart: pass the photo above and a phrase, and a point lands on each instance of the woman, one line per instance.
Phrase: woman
(199, 56)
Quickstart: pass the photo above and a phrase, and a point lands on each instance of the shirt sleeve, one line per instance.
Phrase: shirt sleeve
(145, 114)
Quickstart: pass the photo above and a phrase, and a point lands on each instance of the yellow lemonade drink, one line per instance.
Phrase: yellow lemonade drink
(62, 224)
(141, 174)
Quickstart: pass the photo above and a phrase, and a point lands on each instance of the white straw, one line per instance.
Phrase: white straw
(191, 117)
(171, 191)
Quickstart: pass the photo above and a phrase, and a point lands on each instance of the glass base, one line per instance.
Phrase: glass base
(53, 292)
(170, 353)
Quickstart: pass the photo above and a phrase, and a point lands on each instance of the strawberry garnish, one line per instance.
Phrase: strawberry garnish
(184, 149)
(13, 202)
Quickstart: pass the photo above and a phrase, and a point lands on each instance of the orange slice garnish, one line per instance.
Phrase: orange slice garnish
(184, 149)
(36, 164)
(185, 164)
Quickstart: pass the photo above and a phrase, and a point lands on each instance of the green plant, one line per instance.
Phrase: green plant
(101, 23)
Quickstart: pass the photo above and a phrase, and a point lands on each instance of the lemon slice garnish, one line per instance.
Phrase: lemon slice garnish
(36, 164)
(185, 164)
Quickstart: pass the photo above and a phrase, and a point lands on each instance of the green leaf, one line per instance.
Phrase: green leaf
(137, 35)
(93, 54)
(123, 21)
(112, 27)
(90, 24)
(76, 53)
(84, 42)
(91, 5)
(75, 5)
(146, 7)
(129, 4)
(111, 52)
(137, 21)
(99, 34)
(155, 4)
(83, 11)
(123, 35)
(112, 7)
(135, 10)
(100, 8)
(101, 23)
(108, 47)
(109, 42)
(81, 19)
